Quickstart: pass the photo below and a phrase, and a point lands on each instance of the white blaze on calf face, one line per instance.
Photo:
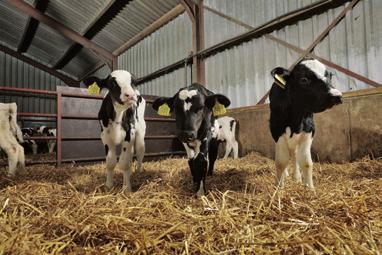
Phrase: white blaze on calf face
(184, 94)
(123, 79)
(335, 92)
(316, 67)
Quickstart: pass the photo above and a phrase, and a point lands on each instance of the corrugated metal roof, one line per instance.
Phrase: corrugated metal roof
(12, 24)
(48, 46)
(75, 14)
(164, 47)
(137, 15)
(82, 63)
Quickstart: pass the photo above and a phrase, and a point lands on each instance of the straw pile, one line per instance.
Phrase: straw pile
(66, 210)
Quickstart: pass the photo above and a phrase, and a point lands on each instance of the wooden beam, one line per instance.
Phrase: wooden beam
(62, 29)
(31, 27)
(68, 80)
(170, 15)
(104, 17)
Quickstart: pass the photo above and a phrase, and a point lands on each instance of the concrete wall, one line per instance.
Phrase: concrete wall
(344, 133)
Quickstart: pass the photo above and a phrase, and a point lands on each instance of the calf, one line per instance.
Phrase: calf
(227, 133)
(10, 135)
(295, 96)
(29, 145)
(193, 107)
(122, 123)
(48, 131)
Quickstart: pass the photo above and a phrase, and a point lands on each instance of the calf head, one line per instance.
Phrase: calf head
(309, 85)
(193, 107)
(120, 86)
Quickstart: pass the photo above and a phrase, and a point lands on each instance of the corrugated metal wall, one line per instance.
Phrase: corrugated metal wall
(15, 73)
(243, 72)
(167, 45)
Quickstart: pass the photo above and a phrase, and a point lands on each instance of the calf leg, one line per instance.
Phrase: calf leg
(111, 161)
(296, 173)
(21, 157)
(212, 155)
(200, 164)
(51, 145)
(281, 160)
(305, 162)
(228, 149)
(125, 162)
(235, 149)
(139, 150)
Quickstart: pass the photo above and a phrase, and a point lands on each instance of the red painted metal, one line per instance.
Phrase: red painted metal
(41, 138)
(58, 129)
(34, 91)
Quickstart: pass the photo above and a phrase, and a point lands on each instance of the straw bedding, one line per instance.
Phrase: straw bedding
(66, 210)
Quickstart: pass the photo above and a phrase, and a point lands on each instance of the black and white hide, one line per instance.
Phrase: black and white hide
(10, 137)
(48, 131)
(295, 96)
(30, 145)
(227, 134)
(193, 109)
(122, 123)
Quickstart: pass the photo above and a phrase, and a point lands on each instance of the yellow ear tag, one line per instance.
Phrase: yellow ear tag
(280, 81)
(164, 110)
(94, 89)
(219, 109)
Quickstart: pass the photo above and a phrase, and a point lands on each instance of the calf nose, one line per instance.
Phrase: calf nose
(187, 135)
(337, 100)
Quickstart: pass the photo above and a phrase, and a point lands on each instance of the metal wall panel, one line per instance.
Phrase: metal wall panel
(243, 73)
(167, 45)
(251, 12)
(18, 74)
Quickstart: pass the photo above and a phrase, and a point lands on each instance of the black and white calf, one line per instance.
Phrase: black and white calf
(48, 131)
(122, 123)
(294, 97)
(30, 145)
(193, 109)
(10, 137)
(227, 134)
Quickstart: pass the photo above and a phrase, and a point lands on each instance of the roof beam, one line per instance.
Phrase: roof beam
(31, 27)
(170, 15)
(62, 29)
(68, 80)
(99, 22)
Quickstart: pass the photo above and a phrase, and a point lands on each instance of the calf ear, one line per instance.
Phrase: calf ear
(280, 75)
(217, 103)
(211, 101)
(102, 83)
(163, 105)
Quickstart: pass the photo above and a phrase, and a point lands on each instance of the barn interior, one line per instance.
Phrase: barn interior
(59, 203)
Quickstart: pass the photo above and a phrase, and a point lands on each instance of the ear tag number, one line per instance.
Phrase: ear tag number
(164, 110)
(94, 89)
(280, 81)
(219, 109)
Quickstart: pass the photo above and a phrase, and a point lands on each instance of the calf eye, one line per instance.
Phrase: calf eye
(304, 81)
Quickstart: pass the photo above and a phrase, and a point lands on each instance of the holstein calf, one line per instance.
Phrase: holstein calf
(227, 133)
(193, 109)
(30, 146)
(122, 123)
(10, 135)
(48, 131)
(294, 98)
